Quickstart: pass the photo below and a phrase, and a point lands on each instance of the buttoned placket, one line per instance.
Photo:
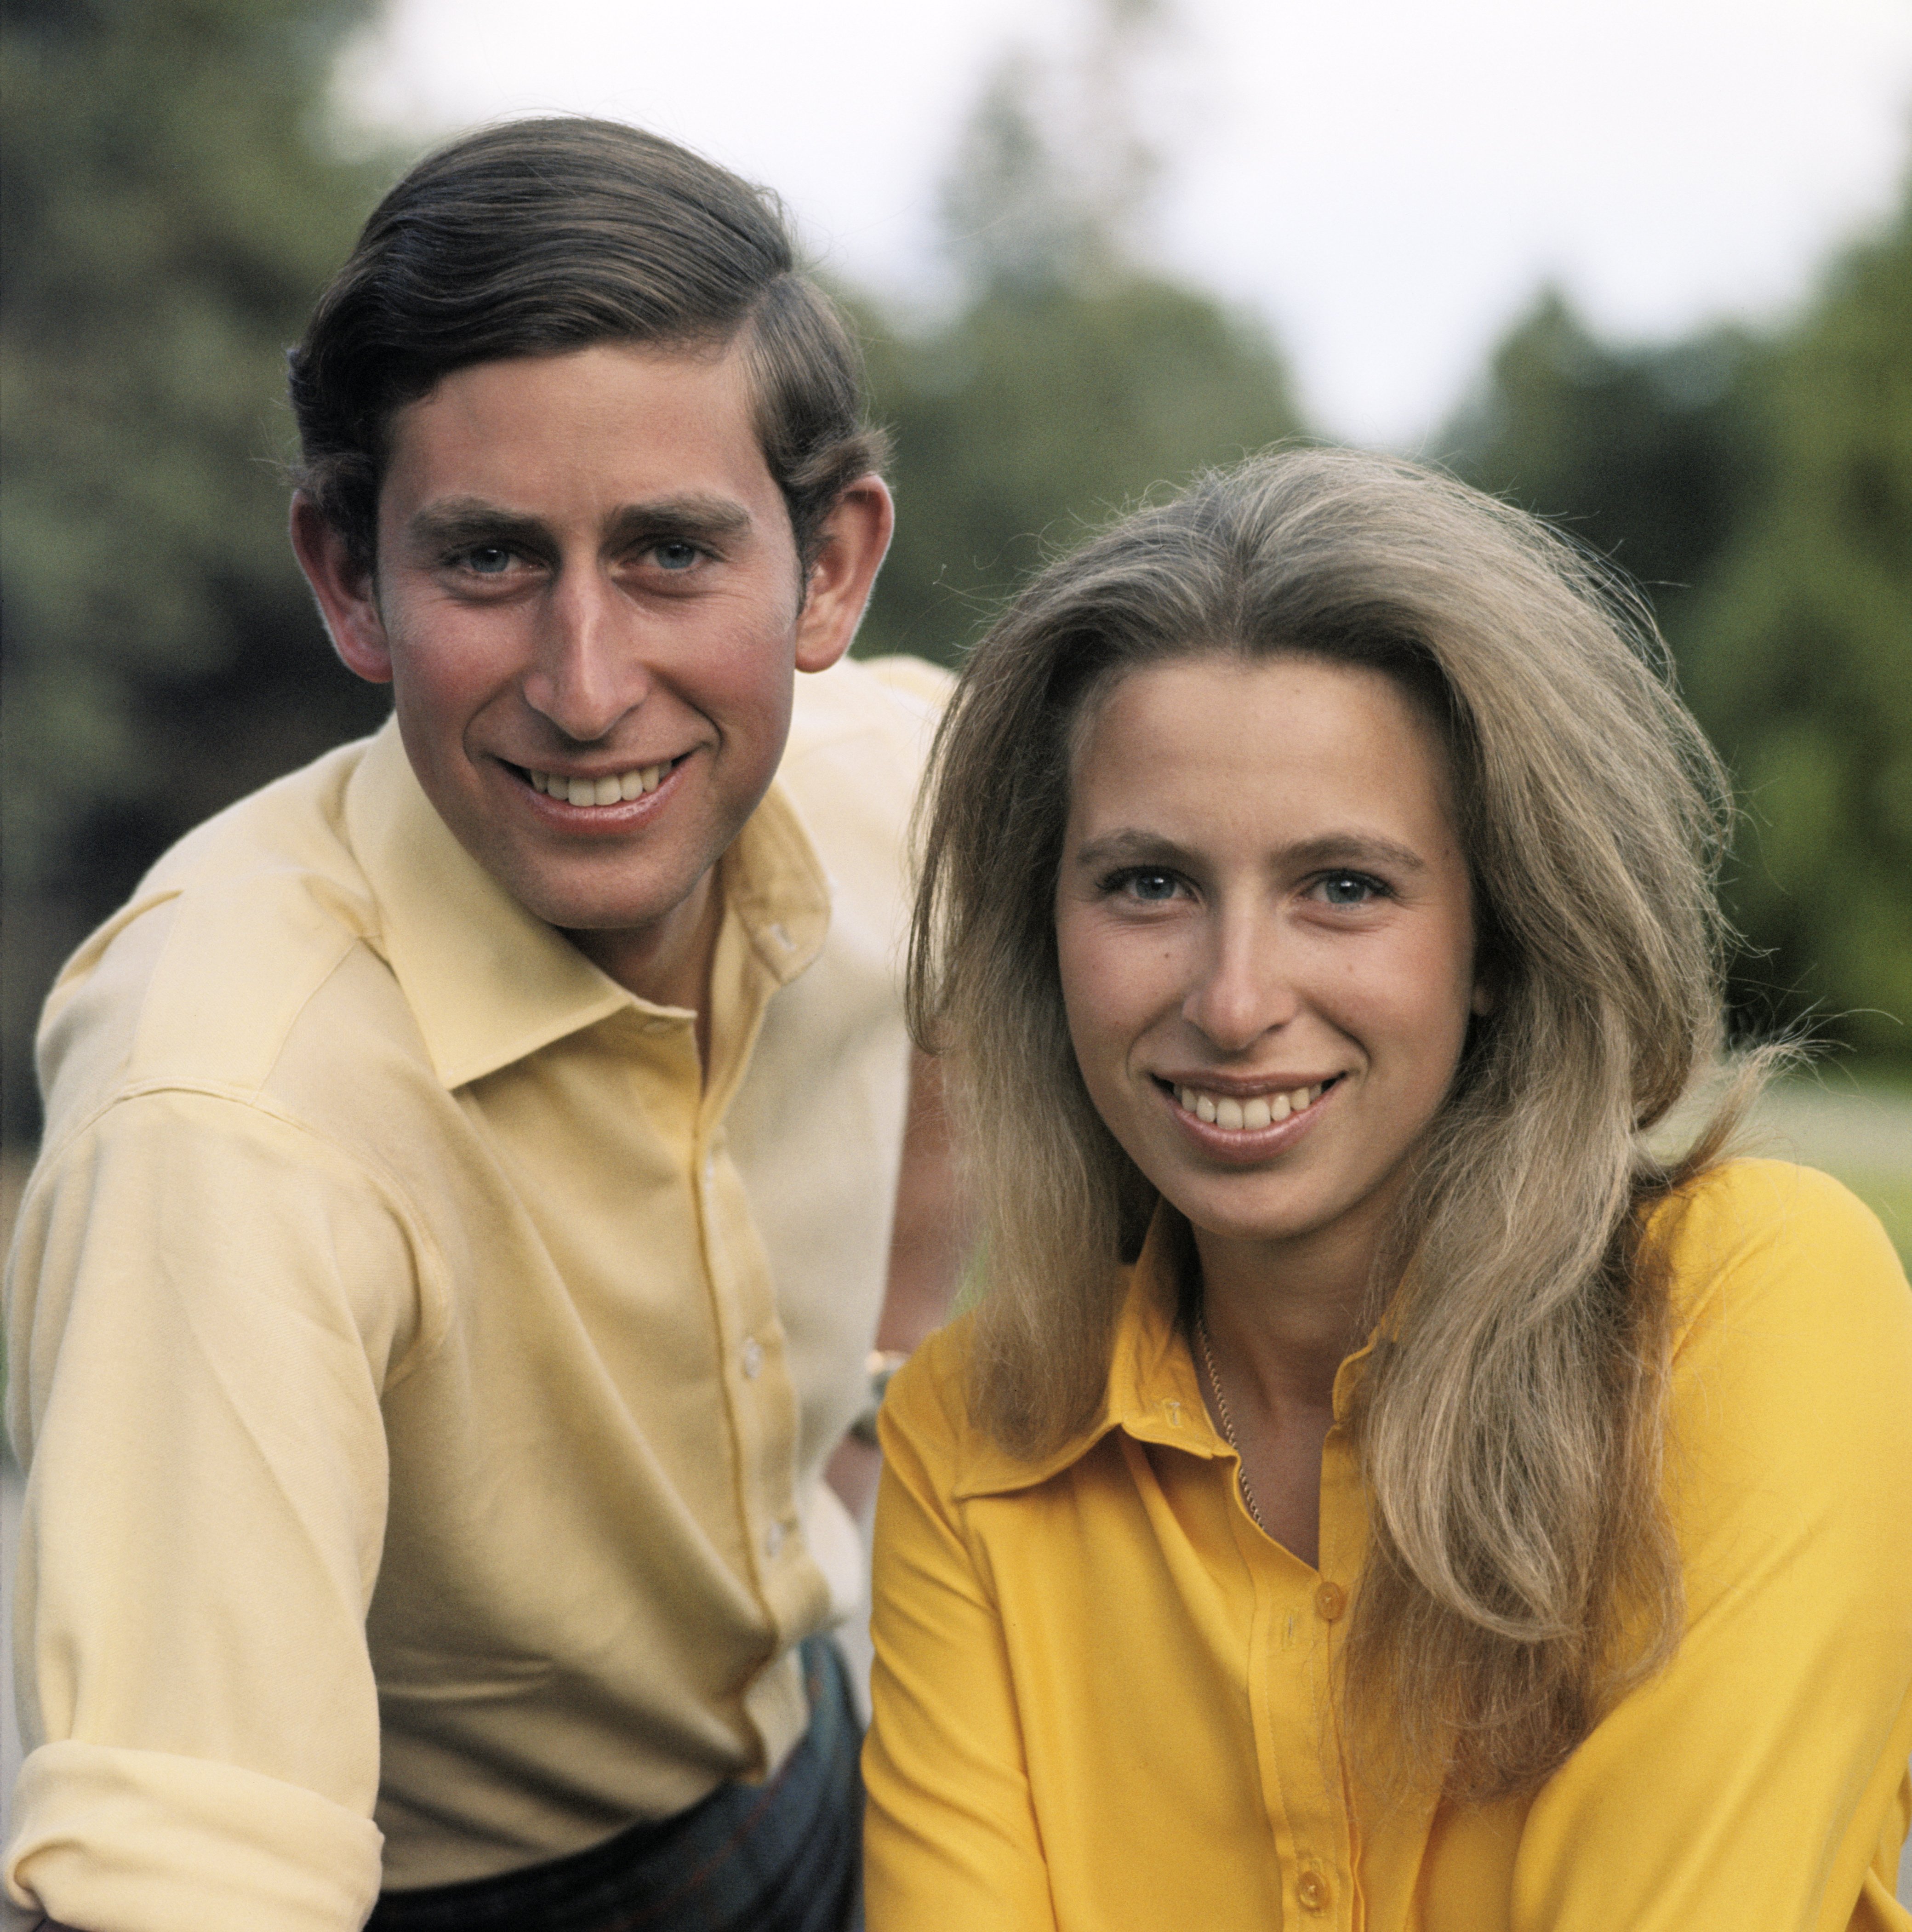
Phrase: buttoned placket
(1297, 1627)
(753, 954)
(1295, 1630)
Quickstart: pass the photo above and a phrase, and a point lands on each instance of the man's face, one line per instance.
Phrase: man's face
(589, 602)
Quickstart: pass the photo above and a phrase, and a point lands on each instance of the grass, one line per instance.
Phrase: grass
(1856, 1127)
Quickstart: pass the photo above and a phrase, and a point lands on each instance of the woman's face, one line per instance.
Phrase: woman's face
(1267, 940)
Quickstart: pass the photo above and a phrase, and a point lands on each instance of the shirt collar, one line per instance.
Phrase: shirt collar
(1152, 1393)
(489, 983)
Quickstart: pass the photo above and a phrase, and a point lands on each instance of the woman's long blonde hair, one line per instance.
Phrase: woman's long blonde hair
(1520, 1571)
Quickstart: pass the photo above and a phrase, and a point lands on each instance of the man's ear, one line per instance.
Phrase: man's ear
(344, 588)
(855, 535)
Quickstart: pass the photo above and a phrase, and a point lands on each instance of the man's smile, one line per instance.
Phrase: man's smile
(614, 788)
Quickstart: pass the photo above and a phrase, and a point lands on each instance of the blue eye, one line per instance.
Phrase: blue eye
(1349, 889)
(488, 559)
(674, 556)
(1142, 883)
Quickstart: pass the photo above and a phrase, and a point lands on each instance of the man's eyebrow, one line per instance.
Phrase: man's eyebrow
(460, 520)
(470, 519)
(711, 518)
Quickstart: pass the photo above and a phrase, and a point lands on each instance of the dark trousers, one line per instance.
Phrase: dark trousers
(784, 1856)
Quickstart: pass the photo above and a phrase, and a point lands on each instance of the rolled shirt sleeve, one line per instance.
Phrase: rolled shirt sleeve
(208, 1303)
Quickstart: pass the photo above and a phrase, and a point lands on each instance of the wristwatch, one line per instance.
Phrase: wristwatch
(881, 1364)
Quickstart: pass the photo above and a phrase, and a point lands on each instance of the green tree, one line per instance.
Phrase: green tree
(169, 212)
(1797, 653)
(1073, 378)
(1761, 492)
(1645, 455)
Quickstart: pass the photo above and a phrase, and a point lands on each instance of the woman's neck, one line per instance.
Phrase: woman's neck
(1286, 1316)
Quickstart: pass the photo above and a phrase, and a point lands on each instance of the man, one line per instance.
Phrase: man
(469, 1164)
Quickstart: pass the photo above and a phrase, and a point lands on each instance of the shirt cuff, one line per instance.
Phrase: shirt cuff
(144, 1841)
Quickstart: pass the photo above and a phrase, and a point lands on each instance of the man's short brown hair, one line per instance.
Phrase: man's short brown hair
(537, 237)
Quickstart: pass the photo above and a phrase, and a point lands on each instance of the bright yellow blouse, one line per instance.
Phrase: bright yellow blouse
(1103, 1696)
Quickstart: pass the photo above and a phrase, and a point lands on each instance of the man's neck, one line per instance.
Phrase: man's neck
(669, 963)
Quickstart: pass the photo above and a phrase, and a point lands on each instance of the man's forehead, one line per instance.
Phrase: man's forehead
(715, 372)
(631, 429)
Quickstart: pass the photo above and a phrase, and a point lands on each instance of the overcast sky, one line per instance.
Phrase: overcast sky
(1385, 181)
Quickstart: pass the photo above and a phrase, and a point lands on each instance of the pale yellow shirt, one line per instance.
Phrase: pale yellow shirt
(1105, 1701)
(423, 1372)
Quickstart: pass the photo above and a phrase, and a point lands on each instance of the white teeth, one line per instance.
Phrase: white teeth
(600, 791)
(1262, 1110)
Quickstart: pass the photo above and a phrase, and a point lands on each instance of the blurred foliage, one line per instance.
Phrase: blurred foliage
(1761, 491)
(1799, 653)
(1071, 379)
(1037, 412)
(169, 211)
(1645, 455)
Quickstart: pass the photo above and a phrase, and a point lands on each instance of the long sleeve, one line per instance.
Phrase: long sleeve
(1745, 1785)
(1099, 1693)
(207, 1302)
(951, 1837)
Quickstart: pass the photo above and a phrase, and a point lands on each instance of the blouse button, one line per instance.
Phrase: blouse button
(1312, 1888)
(1330, 1601)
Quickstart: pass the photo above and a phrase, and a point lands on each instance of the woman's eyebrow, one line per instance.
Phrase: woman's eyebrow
(1354, 848)
(1128, 844)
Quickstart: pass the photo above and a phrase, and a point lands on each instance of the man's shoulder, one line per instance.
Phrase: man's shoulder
(202, 977)
(881, 713)
(860, 733)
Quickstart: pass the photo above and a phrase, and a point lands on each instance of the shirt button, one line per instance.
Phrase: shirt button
(1329, 1601)
(751, 1354)
(773, 1539)
(1312, 1888)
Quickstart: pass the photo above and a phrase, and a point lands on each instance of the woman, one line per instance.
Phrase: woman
(1377, 1489)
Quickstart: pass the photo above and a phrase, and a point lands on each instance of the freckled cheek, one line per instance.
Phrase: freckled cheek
(1116, 988)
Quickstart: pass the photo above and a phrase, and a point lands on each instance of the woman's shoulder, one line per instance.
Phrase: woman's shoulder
(927, 1417)
(924, 1419)
(1781, 1232)
(1790, 1310)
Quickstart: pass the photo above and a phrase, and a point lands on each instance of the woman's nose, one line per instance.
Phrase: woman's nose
(1242, 985)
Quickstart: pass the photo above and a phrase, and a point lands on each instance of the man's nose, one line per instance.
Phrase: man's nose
(1243, 984)
(587, 670)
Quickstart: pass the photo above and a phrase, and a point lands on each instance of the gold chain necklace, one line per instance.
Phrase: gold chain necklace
(1227, 1421)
